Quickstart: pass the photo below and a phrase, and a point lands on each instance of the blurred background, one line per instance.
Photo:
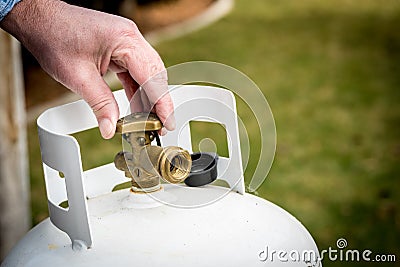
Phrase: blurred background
(330, 71)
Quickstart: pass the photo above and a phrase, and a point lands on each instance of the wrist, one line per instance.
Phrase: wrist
(26, 17)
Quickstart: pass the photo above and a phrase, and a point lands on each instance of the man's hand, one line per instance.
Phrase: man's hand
(77, 46)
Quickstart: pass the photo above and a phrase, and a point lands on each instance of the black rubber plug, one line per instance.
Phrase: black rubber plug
(204, 169)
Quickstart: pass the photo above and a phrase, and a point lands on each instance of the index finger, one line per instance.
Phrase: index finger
(146, 67)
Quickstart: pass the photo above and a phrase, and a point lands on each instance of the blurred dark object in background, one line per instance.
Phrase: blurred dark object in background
(101, 5)
(149, 2)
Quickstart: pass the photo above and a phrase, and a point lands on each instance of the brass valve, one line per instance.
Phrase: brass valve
(145, 163)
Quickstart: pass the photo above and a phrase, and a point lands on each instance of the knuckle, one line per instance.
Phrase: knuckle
(131, 25)
(128, 29)
(100, 102)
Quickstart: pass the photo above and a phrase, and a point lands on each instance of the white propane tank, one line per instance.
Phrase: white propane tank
(176, 226)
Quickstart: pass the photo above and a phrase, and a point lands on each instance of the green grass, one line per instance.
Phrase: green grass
(331, 74)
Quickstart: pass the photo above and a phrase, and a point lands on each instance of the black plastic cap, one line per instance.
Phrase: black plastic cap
(204, 169)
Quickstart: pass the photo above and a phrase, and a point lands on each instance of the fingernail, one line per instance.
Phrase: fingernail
(173, 123)
(170, 124)
(106, 128)
(163, 131)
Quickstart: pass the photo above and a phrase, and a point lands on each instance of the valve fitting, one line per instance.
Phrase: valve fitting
(145, 163)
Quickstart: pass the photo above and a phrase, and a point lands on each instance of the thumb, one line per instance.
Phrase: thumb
(95, 91)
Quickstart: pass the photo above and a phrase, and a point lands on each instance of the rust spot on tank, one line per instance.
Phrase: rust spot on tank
(52, 246)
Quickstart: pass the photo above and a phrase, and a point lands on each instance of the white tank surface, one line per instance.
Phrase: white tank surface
(230, 232)
(174, 226)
